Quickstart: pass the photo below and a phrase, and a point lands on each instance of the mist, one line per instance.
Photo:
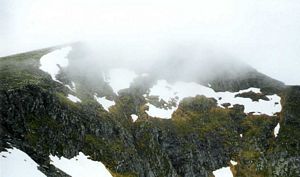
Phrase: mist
(142, 34)
(161, 58)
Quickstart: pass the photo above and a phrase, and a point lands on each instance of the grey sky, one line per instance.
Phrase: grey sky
(264, 33)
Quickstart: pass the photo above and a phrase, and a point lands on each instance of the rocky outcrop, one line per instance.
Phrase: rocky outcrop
(42, 122)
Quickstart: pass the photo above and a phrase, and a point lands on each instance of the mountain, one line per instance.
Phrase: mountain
(65, 112)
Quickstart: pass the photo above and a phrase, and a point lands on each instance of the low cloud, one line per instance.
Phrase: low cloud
(264, 34)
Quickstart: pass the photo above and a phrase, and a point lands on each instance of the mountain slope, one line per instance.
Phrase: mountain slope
(38, 118)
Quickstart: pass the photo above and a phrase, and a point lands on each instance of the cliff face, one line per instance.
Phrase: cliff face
(37, 117)
(42, 123)
(286, 153)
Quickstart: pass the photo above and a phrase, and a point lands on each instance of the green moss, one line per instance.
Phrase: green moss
(114, 174)
(35, 130)
(256, 145)
(256, 126)
(201, 115)
(249, 155)
(32, 138)
(288, 138)
(198, 104)
(107, 148)
(34, 123)
(20, 70)
(216, 122)
(98, 143)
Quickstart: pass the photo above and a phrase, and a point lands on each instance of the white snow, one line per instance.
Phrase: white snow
(251, 89)
(120, 78)
(49, 62)
(167, 92)
(69, 87)
(16, 163)
(223, 172)
(104, 102)
(73, 98)
(80, 166)
(257, 107)
(158, 112)
(233, 162)
(134, 117)
(72, 87)
(276, 130)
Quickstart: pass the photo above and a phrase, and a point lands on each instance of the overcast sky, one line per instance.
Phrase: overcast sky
(264, 33)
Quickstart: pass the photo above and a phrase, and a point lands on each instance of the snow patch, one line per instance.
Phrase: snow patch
(251, 89)
(51, 62)
(159, 112)
(180, 90)
(223, 172)
(257, 107)
(120, 78)
(16, 163)
(276, 130)
(72, 87)
(69, 87)
(80, 166)
(104, 102)
(73, 98)
(134, 117)
(233, 162)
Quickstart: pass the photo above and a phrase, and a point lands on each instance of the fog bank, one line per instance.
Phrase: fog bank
(262, 33)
